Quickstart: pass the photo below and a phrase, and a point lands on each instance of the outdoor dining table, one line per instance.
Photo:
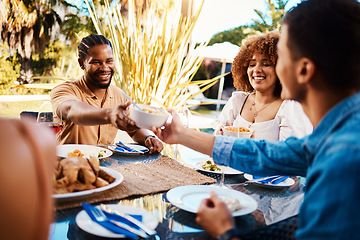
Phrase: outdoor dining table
(274, 206)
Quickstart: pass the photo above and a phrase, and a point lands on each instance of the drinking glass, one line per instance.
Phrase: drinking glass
(45, 117)
(184, 118)
(222, 178)
(54, 126)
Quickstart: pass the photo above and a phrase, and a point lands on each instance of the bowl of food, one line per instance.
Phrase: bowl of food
(239, 132)
(148, 116)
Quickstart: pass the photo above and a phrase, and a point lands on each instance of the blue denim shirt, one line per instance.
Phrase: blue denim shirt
(330, 160)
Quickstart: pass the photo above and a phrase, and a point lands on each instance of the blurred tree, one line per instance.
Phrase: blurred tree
(9, 67)
(272, 19)
(27, 26)
(234, 36)
(268, 21)
(75, 26)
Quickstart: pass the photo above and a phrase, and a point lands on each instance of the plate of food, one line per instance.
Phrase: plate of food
(209, 166)
(76, 177)
(78, 150)
(128, 149)
(238, 132)
(284, 182)
(85, 223)
(189, 197)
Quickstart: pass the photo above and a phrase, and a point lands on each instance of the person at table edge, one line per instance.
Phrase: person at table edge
(318, 66)
(91, 109)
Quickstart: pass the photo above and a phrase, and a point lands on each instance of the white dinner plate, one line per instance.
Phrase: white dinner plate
(287, 183)
(189, 198)
(118, 179)
(227, 170)
(132, 146)
(63, 150)
(85, 223)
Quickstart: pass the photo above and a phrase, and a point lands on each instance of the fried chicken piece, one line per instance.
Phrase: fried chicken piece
(60, 185)
(58, 171)
(95, 165)
(77, 167)
(107, 177)
(101, 182)
(78, 174)
(79, 186)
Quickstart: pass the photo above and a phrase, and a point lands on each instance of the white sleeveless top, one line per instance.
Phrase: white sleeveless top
(290, 120)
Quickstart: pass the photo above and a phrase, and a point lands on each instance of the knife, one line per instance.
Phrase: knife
(130, 218)
(263, 180)
(278, 180)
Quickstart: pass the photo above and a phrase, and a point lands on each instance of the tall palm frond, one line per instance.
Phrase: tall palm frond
(155, 59)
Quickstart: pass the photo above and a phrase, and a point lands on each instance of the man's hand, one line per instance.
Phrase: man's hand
(120, 120)
(154, 144)
(214, 216)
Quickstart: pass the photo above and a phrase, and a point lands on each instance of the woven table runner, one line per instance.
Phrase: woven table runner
(142, 179)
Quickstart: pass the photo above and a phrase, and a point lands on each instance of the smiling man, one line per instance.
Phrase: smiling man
(318, 66)
(92, 110)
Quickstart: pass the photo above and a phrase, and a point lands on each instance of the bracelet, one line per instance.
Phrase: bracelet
(148, 136)
(229, 234)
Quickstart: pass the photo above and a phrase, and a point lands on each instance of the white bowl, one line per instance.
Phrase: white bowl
(147, 120)
(238, 134)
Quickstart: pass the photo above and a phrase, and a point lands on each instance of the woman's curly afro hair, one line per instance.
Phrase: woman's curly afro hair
(263, 44)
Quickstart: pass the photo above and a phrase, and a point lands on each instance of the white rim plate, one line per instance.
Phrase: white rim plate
(63, 150)
(133, 146)
(287, 183)
(118, 179)
(227, 170)
(189, 197)
(85, 223)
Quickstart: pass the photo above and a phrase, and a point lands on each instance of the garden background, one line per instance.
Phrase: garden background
(39, 39)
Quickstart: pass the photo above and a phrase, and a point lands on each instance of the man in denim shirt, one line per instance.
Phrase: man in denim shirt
(318, 66)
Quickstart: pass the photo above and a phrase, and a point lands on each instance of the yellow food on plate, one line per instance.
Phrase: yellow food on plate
(88, 154)
(235, 129)
(75, 153)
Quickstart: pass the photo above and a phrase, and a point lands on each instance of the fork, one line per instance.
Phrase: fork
(263, 179)
(101, 217)
(278, 180)
(129, 218)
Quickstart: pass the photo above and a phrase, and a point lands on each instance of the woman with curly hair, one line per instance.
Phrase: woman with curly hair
(257, 104)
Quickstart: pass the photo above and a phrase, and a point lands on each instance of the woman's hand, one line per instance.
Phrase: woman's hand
(214, 216)
(220, 131)
(170, 132)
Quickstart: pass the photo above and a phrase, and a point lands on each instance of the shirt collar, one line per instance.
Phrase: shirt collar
(89, 93)
(336, 116)
(85, 88)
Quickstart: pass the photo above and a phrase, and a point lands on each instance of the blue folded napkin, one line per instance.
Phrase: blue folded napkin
(111, 226)
(268, 180)
(123, 148)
